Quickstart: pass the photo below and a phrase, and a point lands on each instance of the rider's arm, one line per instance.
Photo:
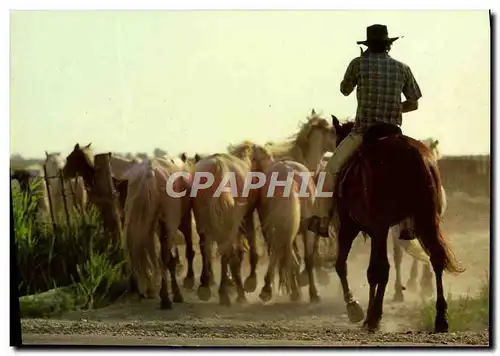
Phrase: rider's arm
(350, 77)
(411, 91)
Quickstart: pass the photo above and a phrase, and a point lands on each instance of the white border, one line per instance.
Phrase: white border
(150, 4)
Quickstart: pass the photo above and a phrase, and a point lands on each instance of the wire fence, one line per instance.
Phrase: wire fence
(49, 186)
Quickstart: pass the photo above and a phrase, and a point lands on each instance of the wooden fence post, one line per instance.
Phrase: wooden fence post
(63, 193)
(49, 196)
(105, 195)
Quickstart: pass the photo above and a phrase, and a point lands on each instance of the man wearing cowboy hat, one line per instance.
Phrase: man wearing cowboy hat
(380, 80)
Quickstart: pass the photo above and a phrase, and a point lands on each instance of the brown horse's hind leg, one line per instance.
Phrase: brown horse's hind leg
(378, 276)
(251, 235)
(204, 292)
(429, 233)
(347, 233)
(187, 231)
(398, 257)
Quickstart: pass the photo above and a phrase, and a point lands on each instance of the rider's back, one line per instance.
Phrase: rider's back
(380, 81)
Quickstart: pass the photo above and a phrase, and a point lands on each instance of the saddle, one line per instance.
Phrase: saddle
(374, 134)
(380, 131)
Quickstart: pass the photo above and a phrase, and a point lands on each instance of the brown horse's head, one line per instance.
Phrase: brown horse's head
(341, 129)
(78, 161)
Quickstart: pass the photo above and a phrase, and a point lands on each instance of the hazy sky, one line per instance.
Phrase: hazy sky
(196, 81)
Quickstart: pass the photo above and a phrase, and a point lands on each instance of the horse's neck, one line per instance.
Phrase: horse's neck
(309, 155)
(87, 171)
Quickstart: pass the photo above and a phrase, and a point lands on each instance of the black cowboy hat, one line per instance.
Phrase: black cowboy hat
(377, 33)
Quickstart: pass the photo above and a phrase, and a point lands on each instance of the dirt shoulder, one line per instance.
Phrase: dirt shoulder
(234, 334)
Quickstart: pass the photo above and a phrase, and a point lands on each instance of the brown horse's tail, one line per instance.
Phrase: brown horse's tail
(427, 220)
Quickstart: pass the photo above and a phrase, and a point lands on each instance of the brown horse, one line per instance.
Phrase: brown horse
(392, 177)
(80, 162)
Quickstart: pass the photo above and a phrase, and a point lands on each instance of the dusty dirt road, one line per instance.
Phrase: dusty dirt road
(281, 323)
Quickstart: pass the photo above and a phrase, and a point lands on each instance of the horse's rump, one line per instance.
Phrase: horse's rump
(216, 216)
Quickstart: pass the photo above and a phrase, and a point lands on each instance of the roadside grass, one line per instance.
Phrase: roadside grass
(465, 313)
(76, 266)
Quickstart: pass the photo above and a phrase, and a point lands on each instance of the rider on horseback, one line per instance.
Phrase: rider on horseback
(380, 80)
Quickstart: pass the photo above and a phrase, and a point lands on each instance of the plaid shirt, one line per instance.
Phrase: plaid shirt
(380, 80)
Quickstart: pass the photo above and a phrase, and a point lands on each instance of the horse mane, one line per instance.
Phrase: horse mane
(299, 140)
(251, 153)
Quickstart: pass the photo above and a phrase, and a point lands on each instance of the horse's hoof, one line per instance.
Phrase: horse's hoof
(250, 284)
(441, 326)
(265, 295)
(354, 312)
(303, 279)
(323, 277)
(224, 300)
(204, 293)
(178, 298)
(314, 299)
(188, 283)
(165, 304)
(371, 327)
(398, 297)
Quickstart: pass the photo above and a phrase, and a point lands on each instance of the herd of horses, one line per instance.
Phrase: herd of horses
(391, 186)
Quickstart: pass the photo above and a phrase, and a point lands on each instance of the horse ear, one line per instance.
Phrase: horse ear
(197, 158)
(335, 122)
(88, 146)
(313, 112)
(183, 157)
(77, 147)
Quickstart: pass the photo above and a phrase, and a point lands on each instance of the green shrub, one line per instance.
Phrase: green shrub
(466, 313)
(79, 253)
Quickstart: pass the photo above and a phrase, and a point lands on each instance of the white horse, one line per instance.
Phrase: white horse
(281, 214)
(148, 209)
(222, 216)
(121, 165)
(74, 191)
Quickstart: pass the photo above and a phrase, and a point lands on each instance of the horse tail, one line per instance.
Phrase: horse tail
(427, 221)
(413, 246)
(280, 226)
(139, 242)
